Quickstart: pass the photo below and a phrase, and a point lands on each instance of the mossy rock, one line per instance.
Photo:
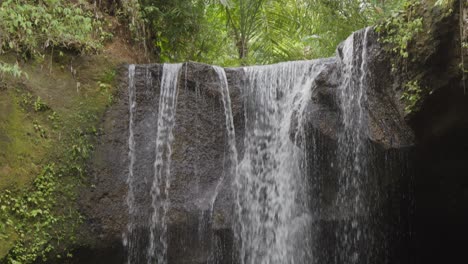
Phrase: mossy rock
(42, 118)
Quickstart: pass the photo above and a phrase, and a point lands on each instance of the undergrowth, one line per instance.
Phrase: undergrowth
(411, 95)
(39, 221)
(399, 34)
(401, 28)
(44, 217)
(28, 28)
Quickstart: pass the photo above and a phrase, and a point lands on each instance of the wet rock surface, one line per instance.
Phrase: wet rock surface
(199, 149)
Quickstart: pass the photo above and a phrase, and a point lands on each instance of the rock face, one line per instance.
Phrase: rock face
(197, 160)
(199, 149)
(387, 127)
(441, 151)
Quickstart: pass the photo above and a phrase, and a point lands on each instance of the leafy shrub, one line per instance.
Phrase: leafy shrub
(32, 217)
(401, 28)
(411, 95)
(10, 69)
(40, 106)
(28, 27)
(42, 218)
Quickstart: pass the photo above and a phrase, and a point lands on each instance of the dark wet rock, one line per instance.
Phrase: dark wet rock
(441, 125)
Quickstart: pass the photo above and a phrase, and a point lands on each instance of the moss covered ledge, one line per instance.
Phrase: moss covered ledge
(48, 125)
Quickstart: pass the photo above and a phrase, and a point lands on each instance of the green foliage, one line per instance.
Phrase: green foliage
(299, 29)
(213, 43)
(10, 69)
(132, 13)
(78, 154)
(40, 106)
(28, 27)
(109, 76)
(244, 21)
(411, 95)
(55, 119)
(39, 129)
(401, 28)
(443, 2)
(42, 220)
(174, 28)
(29, 103)
(233, 32)
(34, 216)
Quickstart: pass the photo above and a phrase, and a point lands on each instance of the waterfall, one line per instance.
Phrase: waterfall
(266, 164)
(157, 250)
(146, 235)
(272, 210)
(352, 154)
(231, 162)
(130, 200)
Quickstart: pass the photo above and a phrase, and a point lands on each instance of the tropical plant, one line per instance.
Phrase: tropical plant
(30, 27)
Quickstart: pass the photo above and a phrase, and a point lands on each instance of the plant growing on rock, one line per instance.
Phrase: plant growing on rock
(32, 217)
(401, 28)
(411, 95)
(10, 69)
(30, 27)
(40, 106)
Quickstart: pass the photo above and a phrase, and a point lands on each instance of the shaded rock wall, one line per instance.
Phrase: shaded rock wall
(441, 150)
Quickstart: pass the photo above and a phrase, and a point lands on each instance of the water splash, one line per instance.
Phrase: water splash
(157, 250)
(273, 219)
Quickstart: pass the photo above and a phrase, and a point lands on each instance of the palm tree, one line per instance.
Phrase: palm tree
(243, 19)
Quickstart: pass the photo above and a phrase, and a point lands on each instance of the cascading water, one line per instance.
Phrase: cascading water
(157, 250)
(129, 239)
(156, 226)
(253, 179)
(273, 215)
(231, 161)
(352, 153)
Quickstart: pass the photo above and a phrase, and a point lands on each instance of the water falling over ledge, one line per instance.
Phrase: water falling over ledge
(273, 215)
(160, 199)
(266, 164)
